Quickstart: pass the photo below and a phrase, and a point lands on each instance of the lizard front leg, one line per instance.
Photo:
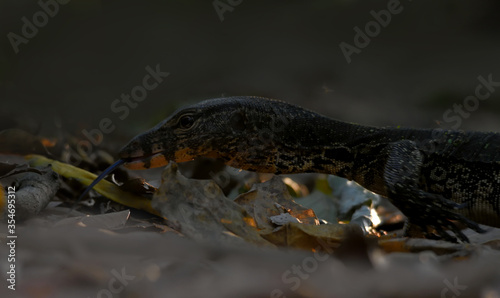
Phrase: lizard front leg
(423, 209)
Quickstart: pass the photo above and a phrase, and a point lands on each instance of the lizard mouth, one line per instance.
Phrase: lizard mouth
(150, 161)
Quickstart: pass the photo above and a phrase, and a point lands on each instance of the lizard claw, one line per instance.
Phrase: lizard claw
(437, 215)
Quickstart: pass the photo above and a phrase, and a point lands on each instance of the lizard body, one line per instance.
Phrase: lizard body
(433, 176)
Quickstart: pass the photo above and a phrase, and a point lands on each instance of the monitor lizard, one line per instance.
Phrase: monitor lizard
(436, 177)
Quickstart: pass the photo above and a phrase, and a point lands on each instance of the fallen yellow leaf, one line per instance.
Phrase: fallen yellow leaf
(105, 188)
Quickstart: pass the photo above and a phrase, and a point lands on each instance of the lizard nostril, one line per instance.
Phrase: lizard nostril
(129, 149)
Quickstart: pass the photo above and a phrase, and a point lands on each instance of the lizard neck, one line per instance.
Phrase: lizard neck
(328, 146)
(295, 140)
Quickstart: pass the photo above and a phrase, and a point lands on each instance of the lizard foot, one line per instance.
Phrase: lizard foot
(434, 214)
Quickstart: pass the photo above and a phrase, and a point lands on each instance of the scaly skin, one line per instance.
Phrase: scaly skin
(433, 176)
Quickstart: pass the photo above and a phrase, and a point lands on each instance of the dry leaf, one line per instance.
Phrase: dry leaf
(11, 169)
(110, 221)
(261, 200)
(308, 237)
(199, 210)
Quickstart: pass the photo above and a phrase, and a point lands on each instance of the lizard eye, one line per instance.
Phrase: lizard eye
(186, 121)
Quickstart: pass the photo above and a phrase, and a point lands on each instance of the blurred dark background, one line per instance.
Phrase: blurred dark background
(427, 59)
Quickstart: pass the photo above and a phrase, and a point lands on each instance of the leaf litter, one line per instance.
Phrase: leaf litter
(191, 224)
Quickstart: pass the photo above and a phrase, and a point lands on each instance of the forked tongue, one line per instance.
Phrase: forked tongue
(96, 180)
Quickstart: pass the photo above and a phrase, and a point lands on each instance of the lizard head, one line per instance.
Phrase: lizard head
(232, 129)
